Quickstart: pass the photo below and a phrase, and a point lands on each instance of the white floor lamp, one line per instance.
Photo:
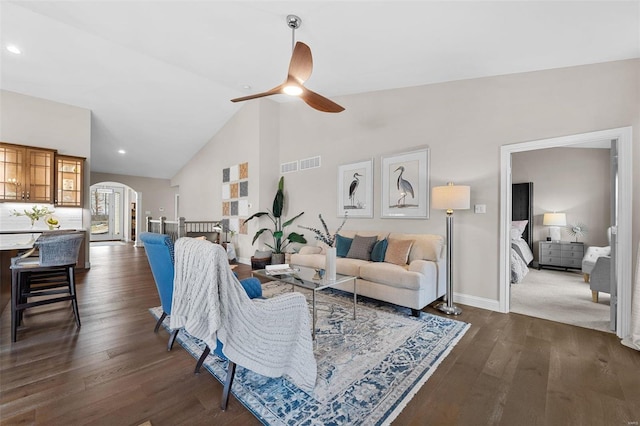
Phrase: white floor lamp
(450, 197)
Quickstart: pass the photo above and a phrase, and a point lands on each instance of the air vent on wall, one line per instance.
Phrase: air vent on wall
(289, 167)
(310, 163)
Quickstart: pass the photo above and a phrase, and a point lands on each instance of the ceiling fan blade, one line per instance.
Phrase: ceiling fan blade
(319, 102)
(301, 63)
(274, 91)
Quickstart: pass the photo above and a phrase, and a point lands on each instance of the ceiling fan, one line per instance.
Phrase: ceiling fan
(300, 67)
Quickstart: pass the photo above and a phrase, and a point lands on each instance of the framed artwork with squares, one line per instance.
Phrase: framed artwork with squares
(235, 205)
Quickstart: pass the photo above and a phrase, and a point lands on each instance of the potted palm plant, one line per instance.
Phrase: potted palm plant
(280, 240)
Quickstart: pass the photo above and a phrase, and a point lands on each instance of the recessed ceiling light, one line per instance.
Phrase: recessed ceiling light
(14, 49)
(122, 151)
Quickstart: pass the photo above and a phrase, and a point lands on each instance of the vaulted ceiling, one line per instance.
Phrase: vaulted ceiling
(158, 76)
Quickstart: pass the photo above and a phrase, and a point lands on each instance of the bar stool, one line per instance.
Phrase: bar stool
(50, 276)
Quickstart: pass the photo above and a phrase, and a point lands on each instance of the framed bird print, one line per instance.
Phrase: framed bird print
(405, 185)
(355, 189)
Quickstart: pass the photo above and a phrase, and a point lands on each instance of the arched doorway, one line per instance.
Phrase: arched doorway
(114, 208)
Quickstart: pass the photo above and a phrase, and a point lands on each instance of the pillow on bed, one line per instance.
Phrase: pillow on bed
(517, 228)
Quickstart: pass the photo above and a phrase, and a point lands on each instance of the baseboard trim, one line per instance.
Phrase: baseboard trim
(477, 302)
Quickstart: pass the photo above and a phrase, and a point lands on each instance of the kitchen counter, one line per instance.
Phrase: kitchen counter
(20, 241)
(34, 230)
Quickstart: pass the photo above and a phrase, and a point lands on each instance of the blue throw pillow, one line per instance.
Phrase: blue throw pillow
(379, 250)
(343, 244)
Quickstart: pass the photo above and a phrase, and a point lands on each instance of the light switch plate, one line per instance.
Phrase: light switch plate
(480, 208)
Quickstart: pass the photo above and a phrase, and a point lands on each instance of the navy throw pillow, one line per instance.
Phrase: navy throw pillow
(379, 250)
(343, 244)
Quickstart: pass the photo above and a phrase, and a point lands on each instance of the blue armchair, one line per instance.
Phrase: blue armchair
(159, 249)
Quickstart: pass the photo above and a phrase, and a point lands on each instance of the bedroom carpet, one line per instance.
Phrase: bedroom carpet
(368, 368)
(562, 297)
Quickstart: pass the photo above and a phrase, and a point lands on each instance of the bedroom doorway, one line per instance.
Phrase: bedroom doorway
(622, 268)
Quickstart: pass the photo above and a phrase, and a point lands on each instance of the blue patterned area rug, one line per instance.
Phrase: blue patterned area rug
(368, 368)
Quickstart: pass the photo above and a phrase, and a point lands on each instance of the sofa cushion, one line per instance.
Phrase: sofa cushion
(379, 250)
(343, 244)
(425, 246)
(316, 261)
(346, 266)
(351, 234)
(361, 247)
(398, 251)
(392, 275)
(310, 250)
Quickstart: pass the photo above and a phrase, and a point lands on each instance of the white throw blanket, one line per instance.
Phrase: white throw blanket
(269, 336)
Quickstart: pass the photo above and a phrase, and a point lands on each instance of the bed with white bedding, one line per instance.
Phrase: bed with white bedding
(523, 250)
(521, 257)
(521, 254)
(519, 268)
(521, 230)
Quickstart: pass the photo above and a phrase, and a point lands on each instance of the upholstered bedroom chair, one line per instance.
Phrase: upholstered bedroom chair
(600, 280)
(591, 256)
(46, 278)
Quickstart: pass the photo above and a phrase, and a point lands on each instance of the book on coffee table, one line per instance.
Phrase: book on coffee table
(281, 269)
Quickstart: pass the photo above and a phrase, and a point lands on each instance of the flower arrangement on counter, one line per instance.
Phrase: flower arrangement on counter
(35, 214)
(325, 236)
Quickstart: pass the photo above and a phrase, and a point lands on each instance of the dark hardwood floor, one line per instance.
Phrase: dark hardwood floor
(507, 370)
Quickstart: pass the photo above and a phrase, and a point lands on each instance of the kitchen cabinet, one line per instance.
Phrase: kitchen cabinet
(26, 174)
(69, 181)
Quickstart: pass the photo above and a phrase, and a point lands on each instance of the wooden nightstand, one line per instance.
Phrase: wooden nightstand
(560, 254)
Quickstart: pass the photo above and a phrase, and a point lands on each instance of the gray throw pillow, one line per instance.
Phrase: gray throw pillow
(361, 247)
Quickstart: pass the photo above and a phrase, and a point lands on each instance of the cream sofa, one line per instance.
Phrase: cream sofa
(414, 285)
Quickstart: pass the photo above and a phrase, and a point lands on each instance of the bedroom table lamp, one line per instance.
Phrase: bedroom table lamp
(554, 221)
(450, 197)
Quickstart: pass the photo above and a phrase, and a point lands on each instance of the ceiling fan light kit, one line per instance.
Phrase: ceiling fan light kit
(292, 90)
(300, 67)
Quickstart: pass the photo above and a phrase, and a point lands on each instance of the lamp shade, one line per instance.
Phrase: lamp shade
(451, 197)
(554, 219)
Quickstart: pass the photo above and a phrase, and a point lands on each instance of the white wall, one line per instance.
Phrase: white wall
(250, 136)
(26, 120)
(464, 123)
(575, 181)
